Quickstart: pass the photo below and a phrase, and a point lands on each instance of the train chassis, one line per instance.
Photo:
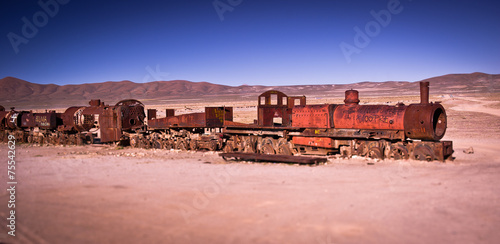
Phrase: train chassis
(180, 139)
(278, 142)
(46, 137)
(282, 144)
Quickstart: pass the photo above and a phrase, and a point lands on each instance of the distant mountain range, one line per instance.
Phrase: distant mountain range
(21, 93)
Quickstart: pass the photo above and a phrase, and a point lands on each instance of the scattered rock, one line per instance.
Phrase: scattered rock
(469, 150)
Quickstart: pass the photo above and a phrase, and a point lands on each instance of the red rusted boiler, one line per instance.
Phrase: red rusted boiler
(423, 121)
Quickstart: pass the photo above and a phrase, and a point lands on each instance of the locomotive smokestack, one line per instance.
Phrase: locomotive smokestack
(351, 97)
(424, 92)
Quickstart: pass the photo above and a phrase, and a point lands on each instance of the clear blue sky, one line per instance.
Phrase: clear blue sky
(255, 42)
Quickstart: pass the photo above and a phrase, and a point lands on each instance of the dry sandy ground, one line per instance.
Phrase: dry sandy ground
(102, 194)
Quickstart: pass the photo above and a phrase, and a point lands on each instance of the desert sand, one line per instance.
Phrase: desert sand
(107, 194)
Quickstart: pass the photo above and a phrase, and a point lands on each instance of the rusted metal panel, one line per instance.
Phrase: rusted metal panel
(68, 119)
(130, 112)
(273, 158)
(93, 110)
(352, 133)
(235, 124)
(192, 120)
(381, 117)
(425, 121)
(296, 101)
(151, 114)
(324, 142)
(41, 120)
(132, 116)
(110, 124)
(216, 116)
(447, 149)
(163, 123)
(185, 121)
(313, 116)
(169, 112)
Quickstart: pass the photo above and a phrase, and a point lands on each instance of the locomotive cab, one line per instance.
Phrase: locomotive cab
(275, 108)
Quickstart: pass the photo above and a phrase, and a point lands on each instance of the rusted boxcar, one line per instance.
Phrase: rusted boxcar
(186, 131)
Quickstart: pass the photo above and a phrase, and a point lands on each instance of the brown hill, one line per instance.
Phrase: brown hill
(21, 93)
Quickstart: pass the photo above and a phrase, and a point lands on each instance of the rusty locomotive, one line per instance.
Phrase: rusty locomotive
(97, 122)
(285, 125)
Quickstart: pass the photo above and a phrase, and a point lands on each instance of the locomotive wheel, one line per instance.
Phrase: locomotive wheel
(89, 139)
(25, 137)
(193, 145)
(133, 142)
(74, 139)
(70, 140)
(63, 139)
(79, 139)
(30, 139)
(362, 148)
(375, 153)
(20, 136)
(248, 145)
(180, 145)
(146, 143)
(267, 149)
(213, 145)
(267, 146)
(284, 149)
(228, 148)
(167, 144)
(399, 152)
(5, 137)
(156, 144)
(53, 140)
(423, 153)
(45, 140)
(37, 140)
